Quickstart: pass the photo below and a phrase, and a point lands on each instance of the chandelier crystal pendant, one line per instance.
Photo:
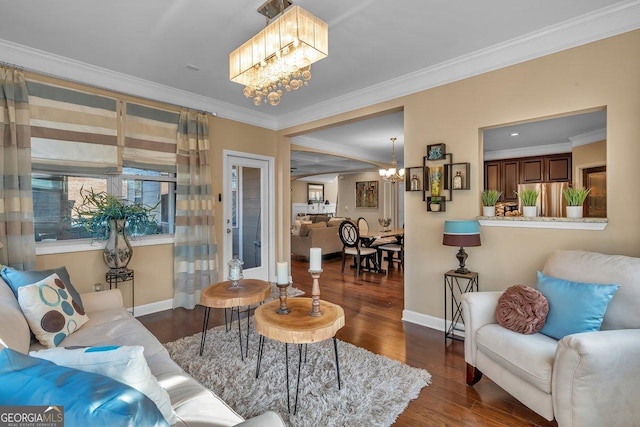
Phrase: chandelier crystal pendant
(278, 59)
(392, 174)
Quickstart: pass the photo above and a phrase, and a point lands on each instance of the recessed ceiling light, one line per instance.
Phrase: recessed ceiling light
(515, 134)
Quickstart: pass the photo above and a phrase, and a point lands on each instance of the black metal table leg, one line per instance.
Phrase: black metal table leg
(227, 326)
(260, 347)
(240, 336)
(246, 354)
(295, 407)
(335, 348)
(205, 324)
(286, 366)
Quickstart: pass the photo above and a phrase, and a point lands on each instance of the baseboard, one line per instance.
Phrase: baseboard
(154, 307)
(430, 321)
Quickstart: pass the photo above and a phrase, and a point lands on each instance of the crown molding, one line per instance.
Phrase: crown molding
(333, 148)
(537, 150)
(49, 64)
(606, 22)
(589, 137)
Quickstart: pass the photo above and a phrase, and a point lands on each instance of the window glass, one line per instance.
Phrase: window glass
(56, 194)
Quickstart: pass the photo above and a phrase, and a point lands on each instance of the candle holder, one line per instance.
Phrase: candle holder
(315, 294)
(235, 272)
(283, 298)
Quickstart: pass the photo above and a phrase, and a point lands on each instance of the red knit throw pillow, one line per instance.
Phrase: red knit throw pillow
(522, 309)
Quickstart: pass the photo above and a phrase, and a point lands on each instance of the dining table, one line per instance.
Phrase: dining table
(370, 237)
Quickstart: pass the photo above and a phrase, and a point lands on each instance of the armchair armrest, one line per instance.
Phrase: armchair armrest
(478, 309)
(596, 379)
(96, 301)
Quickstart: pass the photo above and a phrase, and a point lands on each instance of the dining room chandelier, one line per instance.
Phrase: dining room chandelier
(392, 174)
(278, 59)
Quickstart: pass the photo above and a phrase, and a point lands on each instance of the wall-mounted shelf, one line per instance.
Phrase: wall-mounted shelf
(418, 171)
(443, 204)
(450, 172)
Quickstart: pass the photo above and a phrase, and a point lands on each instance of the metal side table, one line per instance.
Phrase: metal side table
(455, 284)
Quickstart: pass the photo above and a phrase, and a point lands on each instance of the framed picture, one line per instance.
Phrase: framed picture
(315, 193)
(367, 194)
(436, 151)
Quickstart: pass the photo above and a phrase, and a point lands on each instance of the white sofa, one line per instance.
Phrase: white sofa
(584, 379)
(110, 323)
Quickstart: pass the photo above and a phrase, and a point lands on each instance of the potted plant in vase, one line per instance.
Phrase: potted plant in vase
(529, 199)
(109, 218)
(575, 198)
(489, 200)
(434, 204)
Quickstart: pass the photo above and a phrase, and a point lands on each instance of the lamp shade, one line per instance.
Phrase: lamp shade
(461, 233)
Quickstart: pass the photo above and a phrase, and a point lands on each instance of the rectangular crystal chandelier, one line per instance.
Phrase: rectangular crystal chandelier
(279, 57)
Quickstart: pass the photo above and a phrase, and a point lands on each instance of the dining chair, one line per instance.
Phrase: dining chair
(351, 245)
(390, 249)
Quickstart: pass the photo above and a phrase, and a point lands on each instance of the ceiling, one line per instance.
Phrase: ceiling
(377, 51)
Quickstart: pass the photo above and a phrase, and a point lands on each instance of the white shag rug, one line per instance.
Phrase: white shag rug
(375, 389)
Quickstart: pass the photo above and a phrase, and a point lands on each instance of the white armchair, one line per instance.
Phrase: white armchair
(585, 379)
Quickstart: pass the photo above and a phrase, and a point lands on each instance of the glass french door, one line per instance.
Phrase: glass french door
(248, 214)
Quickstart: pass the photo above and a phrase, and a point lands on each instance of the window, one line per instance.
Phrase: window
(55, 195)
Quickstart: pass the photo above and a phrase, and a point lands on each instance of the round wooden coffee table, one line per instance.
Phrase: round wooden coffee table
(223, 295)
(298, 327)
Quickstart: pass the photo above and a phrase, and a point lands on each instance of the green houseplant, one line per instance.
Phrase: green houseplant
(529, 199)
(489, 200)
(110, 218)
(575, 198)
(434, 204)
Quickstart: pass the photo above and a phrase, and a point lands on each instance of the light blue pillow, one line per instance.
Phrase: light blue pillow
(88, 399)
(573, 307)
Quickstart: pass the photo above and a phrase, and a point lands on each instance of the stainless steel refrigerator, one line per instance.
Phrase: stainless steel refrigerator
(550, 199)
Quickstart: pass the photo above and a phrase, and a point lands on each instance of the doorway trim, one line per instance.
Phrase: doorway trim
(269, 200)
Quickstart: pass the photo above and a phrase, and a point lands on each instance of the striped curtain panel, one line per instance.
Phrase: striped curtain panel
(16, 204)
(72, 130)
(150, 138)
(195, 265)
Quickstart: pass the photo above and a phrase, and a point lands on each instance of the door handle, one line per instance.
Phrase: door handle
(228, 230)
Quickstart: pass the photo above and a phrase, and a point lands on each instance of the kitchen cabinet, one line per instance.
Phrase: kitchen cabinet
(505, 175)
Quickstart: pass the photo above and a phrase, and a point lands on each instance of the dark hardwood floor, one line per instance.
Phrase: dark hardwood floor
(373, 307)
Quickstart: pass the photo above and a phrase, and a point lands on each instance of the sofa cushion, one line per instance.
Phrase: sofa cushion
(522, 309)
(592, 267)
(573, 307)
(50, 310)
(122, 363)
(87, 398)
(305, 228)
(529, 357)
(16, 278)
(14, 330)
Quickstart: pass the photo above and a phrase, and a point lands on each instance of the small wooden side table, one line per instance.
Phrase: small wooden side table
(298, 327)
(455, 284)
(223, 295)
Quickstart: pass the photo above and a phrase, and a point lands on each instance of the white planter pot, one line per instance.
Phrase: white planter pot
(489, 211)
(574, 211)
(530, 211)
(435, 207)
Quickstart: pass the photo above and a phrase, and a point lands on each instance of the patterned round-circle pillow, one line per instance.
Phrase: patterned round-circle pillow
(522, 309)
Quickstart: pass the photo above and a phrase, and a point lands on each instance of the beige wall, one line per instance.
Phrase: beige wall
(299, 190)
(587, 156)
(347, 191)
(604, 73)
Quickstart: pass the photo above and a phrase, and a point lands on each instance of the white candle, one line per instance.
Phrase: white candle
(282, 270)
(315, 259)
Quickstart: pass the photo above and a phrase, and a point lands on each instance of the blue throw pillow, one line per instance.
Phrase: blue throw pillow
(88, 399)
(573, 307)
(16, 278)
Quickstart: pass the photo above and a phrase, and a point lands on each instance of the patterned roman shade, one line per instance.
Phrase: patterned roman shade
(150, 138)
(72, 129)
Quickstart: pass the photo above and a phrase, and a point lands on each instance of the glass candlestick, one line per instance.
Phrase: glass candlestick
(235, 271)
